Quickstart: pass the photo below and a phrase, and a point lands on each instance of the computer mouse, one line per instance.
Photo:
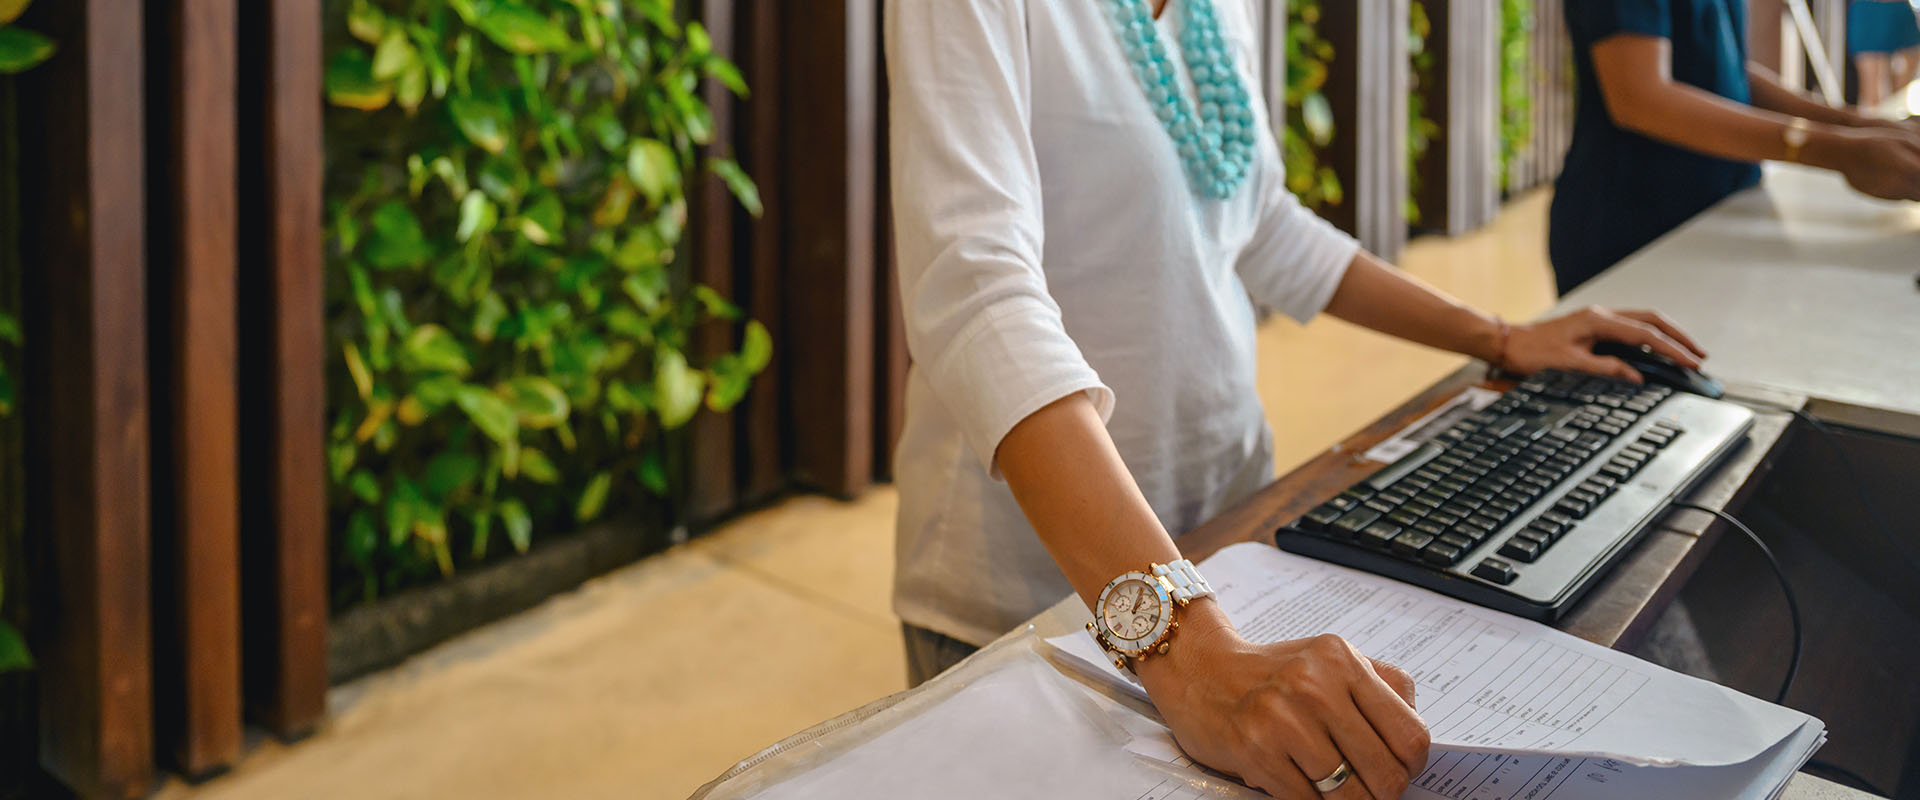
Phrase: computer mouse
(1659, 369)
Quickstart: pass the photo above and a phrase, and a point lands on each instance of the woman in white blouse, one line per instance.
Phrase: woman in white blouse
(1079, 289)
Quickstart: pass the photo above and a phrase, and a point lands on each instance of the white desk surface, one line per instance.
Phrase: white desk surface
(1799, 284)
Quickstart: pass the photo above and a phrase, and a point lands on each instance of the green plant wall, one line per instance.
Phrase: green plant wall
(1516, 100)
(509, 316)
(1421, 128)
(1309, 129)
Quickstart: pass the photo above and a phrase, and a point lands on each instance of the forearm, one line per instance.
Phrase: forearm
(1377, 296)
(1064, 470)
(1708, 123)
(1770, 95)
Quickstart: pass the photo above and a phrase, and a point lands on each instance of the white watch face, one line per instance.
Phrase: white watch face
(1131, 610)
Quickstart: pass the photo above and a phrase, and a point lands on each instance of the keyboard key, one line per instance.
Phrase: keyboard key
(1320, 517)
(1495, 570)
(1350, 525)
(1413, 483)
(1572, 507)
(1656, 438)
(1410, 543)
(1440, 554)
(1344, 502)
(1478, 533)
(1403, 518)
(1432, 498)
(1428, 474)
(1520, 550)
(1584, 496)
(1531, 535)
(1486, 520)
(1405, 466)
(1358, 493)
(1452, 486)
(1506, 506)
(1551, 530)
(1609, 428)
(1379, 534)
(1430, 527)
(1639, 449)
(1557, 518)
(1379, 506)
(1419, 508)
(1457, 540)
(1393, 496)
(1505, 427)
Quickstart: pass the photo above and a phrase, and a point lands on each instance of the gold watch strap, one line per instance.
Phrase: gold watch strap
(1796, 134)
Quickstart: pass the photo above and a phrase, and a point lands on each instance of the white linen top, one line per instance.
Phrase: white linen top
(1049, 242)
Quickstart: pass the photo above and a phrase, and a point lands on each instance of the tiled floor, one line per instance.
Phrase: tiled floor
(650, 681)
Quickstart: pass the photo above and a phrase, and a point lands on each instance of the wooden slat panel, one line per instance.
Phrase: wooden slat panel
(890, 351)
(1367, 88)
(84, 239)
(196, 500)
(763, 411)
(283, 505)
(713, 489)
(1459, 190)
(829, 192)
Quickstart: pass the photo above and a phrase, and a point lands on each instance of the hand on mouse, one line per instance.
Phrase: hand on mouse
(1566, 342)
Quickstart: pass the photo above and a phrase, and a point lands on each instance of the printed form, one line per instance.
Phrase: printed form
(1488, 682)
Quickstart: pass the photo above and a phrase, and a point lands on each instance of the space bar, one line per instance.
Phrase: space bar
(1405, 466)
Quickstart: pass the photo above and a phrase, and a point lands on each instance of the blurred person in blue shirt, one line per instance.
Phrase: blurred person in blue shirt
(1671, 118)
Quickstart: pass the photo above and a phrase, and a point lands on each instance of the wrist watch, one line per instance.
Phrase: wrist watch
(1134, 616)
(1796, 134)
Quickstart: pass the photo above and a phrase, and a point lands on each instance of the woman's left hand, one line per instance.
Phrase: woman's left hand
(1566, 342)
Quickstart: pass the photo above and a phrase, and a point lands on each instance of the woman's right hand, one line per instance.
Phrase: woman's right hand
(1281, 716)
(1882, 162)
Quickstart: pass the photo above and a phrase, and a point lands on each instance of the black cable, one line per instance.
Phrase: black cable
(1817, 766)
(1786, 590)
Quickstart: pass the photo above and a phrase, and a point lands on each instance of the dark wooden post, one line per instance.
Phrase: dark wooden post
(763, 413)
(828, 191)
(1461, 191)
(196, 496)
(82, 170)
(1367, 87)
(713, 491)
(283, 502)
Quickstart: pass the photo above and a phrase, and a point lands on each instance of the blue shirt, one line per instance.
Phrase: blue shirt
(1620, 190)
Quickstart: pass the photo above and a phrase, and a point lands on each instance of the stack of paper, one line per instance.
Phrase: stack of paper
(1515, 708)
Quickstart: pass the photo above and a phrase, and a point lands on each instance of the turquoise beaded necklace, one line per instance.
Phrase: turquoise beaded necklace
(1214, 139)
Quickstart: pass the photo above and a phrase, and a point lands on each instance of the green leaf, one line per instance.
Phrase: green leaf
(362, 538)
(21, 48)
(520, 29)
(756, 348)
(489, 413)
(350, 82)
(653, 472)
(10, 10)
(519, 525)
(677, 387)
(9, 329)
(593, 499)
(362, 378)
(364, 486)
(538, 403)
(411, 87)
(13, 650)
(699, 43)
(743, 187)
(487, 317)
(536, 467)
(727, 74)
(450, 472)
(714, 304)
(478, 215)
(1317, 114)
(397, 240)
(366, 22)
(654, 168)
(402, 505)
(432, 348)
(482, 525)
(394, 55)
(484, 121)
(541, 220)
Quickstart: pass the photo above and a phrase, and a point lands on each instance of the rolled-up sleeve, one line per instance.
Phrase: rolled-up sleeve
(1295, 259)
(967, 219)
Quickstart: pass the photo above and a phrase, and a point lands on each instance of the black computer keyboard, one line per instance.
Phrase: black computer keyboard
(1522, 506)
